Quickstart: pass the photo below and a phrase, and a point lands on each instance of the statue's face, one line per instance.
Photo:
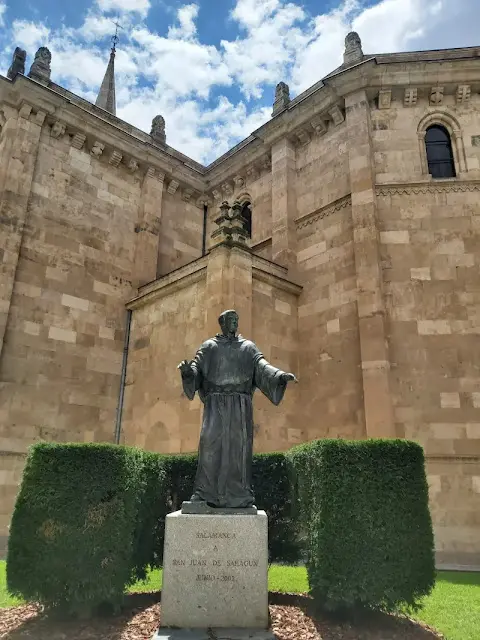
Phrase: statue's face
(230, 324)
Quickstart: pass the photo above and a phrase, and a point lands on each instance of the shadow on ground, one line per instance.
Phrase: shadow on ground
(292, 618)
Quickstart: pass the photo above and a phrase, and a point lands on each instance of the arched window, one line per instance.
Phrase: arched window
(439, 152)
(247, 216)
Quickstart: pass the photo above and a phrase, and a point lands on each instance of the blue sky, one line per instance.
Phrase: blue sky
(210, 67)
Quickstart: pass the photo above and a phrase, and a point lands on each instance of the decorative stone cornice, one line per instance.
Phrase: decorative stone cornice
(173, 186)
(456, 186)
(115, 158)
(410, 97)
(78, 140)
(324, 212)
(464, 92)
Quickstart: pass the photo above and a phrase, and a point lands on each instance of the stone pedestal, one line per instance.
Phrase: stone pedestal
(215, 571)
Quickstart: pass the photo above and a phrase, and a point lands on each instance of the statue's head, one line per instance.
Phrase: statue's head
(228, 321)
(158, 125)
(281, 90)
(20, 54)
(43, 55)
(352, 41)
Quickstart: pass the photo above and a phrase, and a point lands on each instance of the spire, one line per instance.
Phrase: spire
(106, 95)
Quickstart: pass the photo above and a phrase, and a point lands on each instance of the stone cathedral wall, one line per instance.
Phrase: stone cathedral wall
(73, 219)
(331, 395)
(430, 255)
(363, 277)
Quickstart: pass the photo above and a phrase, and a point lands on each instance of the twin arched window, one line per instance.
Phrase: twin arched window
(439, 152)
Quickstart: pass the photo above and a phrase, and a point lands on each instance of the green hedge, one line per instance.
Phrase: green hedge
(271, 484)
(364, 505)
(89, 519)
(72, 535)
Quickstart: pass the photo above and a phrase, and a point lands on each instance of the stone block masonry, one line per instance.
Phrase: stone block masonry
(372, 297)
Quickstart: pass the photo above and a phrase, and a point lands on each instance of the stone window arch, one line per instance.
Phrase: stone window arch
(442, 151)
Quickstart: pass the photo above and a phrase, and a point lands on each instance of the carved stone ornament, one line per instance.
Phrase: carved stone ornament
(18, 63)
(78, 140)
(187, 194)
(158, 129)
(173, 186)
(40, 69)
(318, 125)
(303, 136)
(436, 96)
(231, 225)
(97, 149)
(227, 189)
(252, 173)
(216, 194)
(336, 115)
(132, 165)
(385, 99)
(464, 91)
(410, 97)
(353, 48)
(282, 98)
(58, 129)
(239, 182)
(115, 158)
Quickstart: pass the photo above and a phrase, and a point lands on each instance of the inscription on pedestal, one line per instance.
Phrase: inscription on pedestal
(215, 571)
(218, 569)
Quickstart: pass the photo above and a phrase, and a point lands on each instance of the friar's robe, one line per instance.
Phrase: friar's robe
(225, 372)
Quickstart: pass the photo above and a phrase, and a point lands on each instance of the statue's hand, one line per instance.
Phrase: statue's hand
(288, 377)
(186, 368)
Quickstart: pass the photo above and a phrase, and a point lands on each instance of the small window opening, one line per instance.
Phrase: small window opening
(439, 152)
(247, 216)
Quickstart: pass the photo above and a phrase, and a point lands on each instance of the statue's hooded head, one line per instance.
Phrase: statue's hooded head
(228, 321)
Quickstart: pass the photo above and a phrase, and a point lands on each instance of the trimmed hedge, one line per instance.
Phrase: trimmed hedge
(364, 505)
(89, 519)
(72, 535)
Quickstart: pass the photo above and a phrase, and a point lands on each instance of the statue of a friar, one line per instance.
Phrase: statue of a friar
(226, 371)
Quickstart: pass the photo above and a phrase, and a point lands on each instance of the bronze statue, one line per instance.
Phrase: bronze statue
(226, 371)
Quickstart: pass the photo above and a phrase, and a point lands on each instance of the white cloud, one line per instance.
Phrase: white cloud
(186, 16)
(272, 39)
(184, 66)
(29, 35)
(3, 8)
(141, 7)
(185, 79)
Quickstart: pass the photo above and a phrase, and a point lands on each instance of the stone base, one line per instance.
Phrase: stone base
(213, 634)
(215, 572)
(197, 508)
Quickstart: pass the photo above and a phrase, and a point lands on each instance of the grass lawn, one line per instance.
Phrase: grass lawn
(453, 608)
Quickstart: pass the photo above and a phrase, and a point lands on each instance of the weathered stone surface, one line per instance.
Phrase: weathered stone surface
(40, 69)
(215, 571)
